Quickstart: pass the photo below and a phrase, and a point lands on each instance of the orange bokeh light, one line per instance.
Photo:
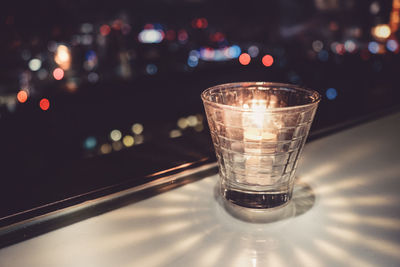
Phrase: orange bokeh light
(244, 59)
(267, 60)
(58, 74)
(44, 104)
(22, 96)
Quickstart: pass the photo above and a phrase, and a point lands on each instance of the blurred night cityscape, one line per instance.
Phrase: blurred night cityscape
(89, 90)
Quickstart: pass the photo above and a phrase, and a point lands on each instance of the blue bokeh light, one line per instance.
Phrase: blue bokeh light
(151, 69)
(392, 45)
(90, 143)
(373, 47)
(323, 55)
(331, 93)
(234, 51)
(192, 61)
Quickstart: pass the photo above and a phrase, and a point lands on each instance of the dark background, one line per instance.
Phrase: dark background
(116, 80)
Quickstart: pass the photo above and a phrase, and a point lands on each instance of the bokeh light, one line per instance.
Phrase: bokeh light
(183, 36)
(234, 51)
(381, 31)
(137, 128)
(105, 148)
(244, 59)
(350, 46)
(192, 120)
(58, 74)
(117, 146)
(63, 57)
(115, 135)
(373, 47)
(105, 30)
(175, 133)
(35, 64)
(317, 45)
(392, 45)
(128, 141)
(151, 69)
(267, 60)
(93, 77)
(253, 51)
(193, 61)
(42, 74)
(90, 143)
(331, 93)
(151, 36)
(323, 55)
(183, 123)
(44, 104)
(22, 96)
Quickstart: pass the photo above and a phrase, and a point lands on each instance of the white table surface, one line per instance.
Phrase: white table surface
(345, 213)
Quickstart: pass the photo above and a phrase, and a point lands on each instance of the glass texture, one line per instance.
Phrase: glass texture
(258, 130)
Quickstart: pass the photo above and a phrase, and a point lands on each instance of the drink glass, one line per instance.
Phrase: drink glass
(258, 130)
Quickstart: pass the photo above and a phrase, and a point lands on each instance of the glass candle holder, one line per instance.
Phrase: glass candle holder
(258, 130)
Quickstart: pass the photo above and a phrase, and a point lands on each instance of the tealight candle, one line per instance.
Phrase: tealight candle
(258, 130)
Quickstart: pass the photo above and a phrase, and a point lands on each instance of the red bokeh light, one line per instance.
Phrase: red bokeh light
(105, 30)
(170, 35)
(217, 37)
(244, 59)
(22, 96)
(200, 23)
(267, 60)
(44, 104)
(58, 74)
(182, 35)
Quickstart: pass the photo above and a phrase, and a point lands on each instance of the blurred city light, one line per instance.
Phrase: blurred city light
(115, 135)
(35, 64)
(392, 45)
(90, 143)
(105, 30)
(170, 35)
(22, 96)
(317, 45)
(63, 57)
(105, 148)
(234, 51)
(253, 51)
(244, 59)
(331, 93)
(183, 123)
(200, 23)
(151, 36)
(175, 133)
(183, 36)
(117, 146)
(44, 104)
(128, 141)
(151, 69)
(42, 74)
(137, 128)
(373, 47)
(193, 61)
(58, 74)
(381, 31)
(323, 55)
(350, 46)
(267, 60)
(192, 120)
(93, 77)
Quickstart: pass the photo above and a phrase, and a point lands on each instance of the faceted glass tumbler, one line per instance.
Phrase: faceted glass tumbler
(258, 130)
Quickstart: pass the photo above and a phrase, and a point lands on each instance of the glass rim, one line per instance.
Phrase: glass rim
(207, 92)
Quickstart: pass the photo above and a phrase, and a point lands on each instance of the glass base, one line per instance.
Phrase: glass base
(253, 200)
